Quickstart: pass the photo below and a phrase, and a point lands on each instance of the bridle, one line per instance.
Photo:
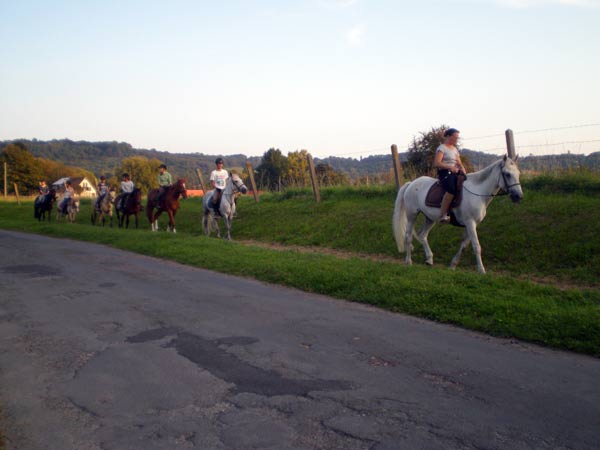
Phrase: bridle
(504, 191)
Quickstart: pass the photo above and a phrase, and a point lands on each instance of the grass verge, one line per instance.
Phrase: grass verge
(498, 305)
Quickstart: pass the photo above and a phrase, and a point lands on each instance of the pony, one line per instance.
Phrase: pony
(42, 207)
(103, 208)
(233, 186)
(169, 203)
(132, 206)
(479, 190)
(69, 211)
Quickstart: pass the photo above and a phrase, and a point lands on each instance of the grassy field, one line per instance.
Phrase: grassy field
(551, 237)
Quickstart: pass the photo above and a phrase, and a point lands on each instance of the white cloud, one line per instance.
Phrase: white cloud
(355, 35)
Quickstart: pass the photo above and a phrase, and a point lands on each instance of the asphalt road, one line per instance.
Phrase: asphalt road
(104, 349)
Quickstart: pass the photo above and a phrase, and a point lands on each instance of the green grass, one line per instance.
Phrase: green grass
(534, 239)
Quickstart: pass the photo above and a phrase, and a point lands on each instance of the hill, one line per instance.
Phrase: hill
(105, 158)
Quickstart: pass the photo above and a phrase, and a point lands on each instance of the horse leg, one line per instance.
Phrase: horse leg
(422, 237)
(215, 223)
(408, 237)
(463, 244)
(227, 221)
(205, 223)
(137, 220)
(472, 230)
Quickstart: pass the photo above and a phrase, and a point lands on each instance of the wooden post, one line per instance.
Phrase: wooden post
(252, 183)
(397, 166)
(199, 175)
(510, 144)
(313, 178)
(17, 194)
(5, 178)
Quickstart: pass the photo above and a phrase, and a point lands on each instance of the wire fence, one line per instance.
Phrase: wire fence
(541, 146)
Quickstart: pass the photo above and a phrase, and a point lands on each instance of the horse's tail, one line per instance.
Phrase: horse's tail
(399, 219)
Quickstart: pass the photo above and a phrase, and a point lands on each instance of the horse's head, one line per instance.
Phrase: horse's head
(112, 194)
(180, 187)
(511, 179)
(238, 183)
(51, 195)
(76, 205)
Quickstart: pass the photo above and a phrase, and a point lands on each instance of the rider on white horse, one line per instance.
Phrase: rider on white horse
(447, 160)
(218, 180)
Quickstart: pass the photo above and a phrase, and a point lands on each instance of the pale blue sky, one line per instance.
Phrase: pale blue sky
(345, 77)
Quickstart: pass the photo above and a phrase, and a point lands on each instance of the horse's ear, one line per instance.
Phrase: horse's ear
(516, 157)
(505, 157)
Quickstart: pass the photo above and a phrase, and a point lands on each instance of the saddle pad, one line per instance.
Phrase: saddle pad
(436, 192)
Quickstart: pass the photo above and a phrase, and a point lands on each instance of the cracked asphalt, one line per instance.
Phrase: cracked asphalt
(103, 349)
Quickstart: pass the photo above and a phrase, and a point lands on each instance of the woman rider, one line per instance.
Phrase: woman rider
(447, 160)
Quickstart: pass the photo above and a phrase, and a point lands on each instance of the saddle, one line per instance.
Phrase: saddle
(436, 192)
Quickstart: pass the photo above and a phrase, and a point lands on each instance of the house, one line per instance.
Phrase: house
(81, 185)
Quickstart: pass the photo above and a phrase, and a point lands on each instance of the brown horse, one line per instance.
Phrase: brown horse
(131, 206)
(169, 203)
(42, 208)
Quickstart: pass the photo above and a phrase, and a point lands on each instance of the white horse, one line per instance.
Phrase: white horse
(478, 191)
(72, 209)
(233, 185)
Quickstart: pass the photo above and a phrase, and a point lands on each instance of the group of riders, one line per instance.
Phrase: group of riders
(447, 161)
(218, 180)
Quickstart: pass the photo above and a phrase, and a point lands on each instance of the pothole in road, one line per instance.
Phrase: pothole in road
(211, 356)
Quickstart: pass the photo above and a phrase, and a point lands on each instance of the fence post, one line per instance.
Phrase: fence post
(5, 178)
(313, 178)
(397, 166)
(510, 144)
(199, 175)
(17, 194)
(252, 183)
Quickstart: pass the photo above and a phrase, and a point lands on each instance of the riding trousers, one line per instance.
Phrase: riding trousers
(448, 180)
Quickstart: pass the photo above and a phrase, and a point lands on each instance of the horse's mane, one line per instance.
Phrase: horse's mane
(484, 173)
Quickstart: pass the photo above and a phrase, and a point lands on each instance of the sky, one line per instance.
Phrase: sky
(344, 78)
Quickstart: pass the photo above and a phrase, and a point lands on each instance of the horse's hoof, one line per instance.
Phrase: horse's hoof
(429, 263)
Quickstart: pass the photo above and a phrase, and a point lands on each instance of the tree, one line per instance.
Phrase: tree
(272, 170)
(23, 168)
(298, 174)
(143, 172)
(421, 151)
(329, 177)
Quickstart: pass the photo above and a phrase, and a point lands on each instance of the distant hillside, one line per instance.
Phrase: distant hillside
(106, 157)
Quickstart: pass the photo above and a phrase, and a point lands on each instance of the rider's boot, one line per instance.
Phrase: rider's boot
(215, 199)
(446, 202)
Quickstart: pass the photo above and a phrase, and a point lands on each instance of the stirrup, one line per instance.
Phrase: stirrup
(445, 219)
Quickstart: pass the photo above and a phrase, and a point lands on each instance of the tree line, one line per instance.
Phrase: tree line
(31, 160)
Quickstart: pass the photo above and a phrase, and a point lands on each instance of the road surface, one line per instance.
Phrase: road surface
(104, 349)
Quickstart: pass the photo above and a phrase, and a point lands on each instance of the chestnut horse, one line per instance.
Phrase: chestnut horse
(42, 207)
(169, 203)
(132, 206)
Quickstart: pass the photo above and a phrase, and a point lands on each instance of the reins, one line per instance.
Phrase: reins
(503, 191)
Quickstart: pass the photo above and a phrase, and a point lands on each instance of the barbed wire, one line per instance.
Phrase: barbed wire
(542, 145)
(540, 130)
